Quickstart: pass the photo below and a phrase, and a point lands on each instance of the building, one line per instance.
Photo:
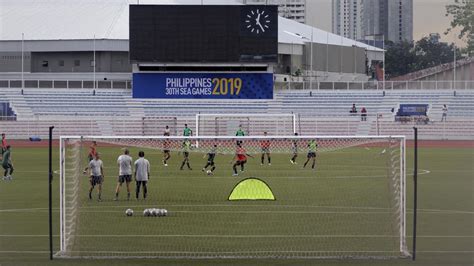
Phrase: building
(66, 51)
(291, 9)
(346, 18)
(391, 20)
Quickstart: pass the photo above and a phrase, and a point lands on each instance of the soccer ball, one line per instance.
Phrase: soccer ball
(209, 172)
(159, 212)
(147, 212)
(154, 212)
(129, 212)
(164, 212)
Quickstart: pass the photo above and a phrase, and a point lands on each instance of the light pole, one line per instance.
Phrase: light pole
(94, 63)
(454, 66)
(311, 59)
(22, 60)
(311, 41)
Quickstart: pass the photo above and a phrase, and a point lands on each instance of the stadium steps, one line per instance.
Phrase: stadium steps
(105, 127)
(18, 105)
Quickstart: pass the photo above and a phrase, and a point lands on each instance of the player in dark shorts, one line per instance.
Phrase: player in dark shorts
(186, 149)
(96, 176)
(265, 146)
(4, 144)
(211, 155)
(312, 145)
(7, 164)
(241, 159)
(166, 147)
(294, 149)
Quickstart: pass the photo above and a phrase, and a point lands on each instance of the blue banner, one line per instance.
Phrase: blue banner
(203, 85)
(412, 110)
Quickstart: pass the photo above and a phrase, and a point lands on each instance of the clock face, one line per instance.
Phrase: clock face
(257, 21)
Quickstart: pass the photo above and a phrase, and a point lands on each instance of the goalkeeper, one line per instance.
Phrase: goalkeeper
(239, 133)
(186, 149)
(312, 145)
(211, 155)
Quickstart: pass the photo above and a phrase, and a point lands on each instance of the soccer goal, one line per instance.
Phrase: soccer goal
(315, 197)
(155, 125)
(251, 124)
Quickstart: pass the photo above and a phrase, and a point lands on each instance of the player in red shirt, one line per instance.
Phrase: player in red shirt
(241, 156)
(4, 143)
(265, 146)
(92, 151)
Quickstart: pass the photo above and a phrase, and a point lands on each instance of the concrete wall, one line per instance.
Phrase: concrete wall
(332, 58)
(79, 62)
(11, 62)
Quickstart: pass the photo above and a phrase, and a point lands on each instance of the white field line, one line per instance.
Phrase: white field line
(242, 252)
(381, 210)
(245, 236)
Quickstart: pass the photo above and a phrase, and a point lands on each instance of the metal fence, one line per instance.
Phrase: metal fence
(279, 85)
(65, 84)
(376, 85)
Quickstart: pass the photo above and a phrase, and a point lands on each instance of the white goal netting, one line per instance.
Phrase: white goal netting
(250, 124)
(319, 197)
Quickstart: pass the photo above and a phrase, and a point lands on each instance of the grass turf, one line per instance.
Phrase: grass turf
(198, 207)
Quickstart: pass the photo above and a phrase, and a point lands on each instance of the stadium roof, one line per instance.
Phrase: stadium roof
(108, 19)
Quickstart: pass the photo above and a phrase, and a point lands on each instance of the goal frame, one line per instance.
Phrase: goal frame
(403, 200)
(291, 115)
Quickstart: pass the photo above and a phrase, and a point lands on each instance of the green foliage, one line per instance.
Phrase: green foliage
(462, 12)
(406, 57)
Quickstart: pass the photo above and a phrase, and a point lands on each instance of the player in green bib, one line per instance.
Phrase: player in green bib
(187, 132)
(186, 149)
(240, 132)
(7, 164)
(312, 146)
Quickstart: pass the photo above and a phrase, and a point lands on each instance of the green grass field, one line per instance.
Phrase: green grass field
(347, 198)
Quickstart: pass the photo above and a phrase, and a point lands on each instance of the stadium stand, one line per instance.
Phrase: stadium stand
(115, 112)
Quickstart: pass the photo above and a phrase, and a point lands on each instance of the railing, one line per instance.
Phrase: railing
(65, 84)
(376, 85)
(292, 84)
(455, 128)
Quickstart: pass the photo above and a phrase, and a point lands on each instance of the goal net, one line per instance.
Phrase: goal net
(251, 124)
(318, 197)
(155, 125)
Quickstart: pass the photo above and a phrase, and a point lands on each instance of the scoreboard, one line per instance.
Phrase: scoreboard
(203, 33)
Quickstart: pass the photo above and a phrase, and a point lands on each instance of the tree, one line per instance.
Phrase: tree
(406, 57)
(462, 12)
(400, 59)
(430, 54)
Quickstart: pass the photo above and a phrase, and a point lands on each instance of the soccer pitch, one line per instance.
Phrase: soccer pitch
(310, 204)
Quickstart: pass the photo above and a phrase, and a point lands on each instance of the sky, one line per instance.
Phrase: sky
(429, 17)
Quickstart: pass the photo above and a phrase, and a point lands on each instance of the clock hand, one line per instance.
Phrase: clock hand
(261, 26)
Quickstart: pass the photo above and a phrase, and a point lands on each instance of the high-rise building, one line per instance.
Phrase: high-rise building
(374, 19)
(346, 18)
(291, 9)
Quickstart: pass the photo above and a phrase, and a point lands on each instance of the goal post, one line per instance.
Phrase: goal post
(326, 197)
(252, 124)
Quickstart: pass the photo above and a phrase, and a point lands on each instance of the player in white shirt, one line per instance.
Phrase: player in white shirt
(96, 175)
(142, 174)
(124, 162)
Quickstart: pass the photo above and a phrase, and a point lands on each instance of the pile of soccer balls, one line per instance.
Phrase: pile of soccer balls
(150, 212)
